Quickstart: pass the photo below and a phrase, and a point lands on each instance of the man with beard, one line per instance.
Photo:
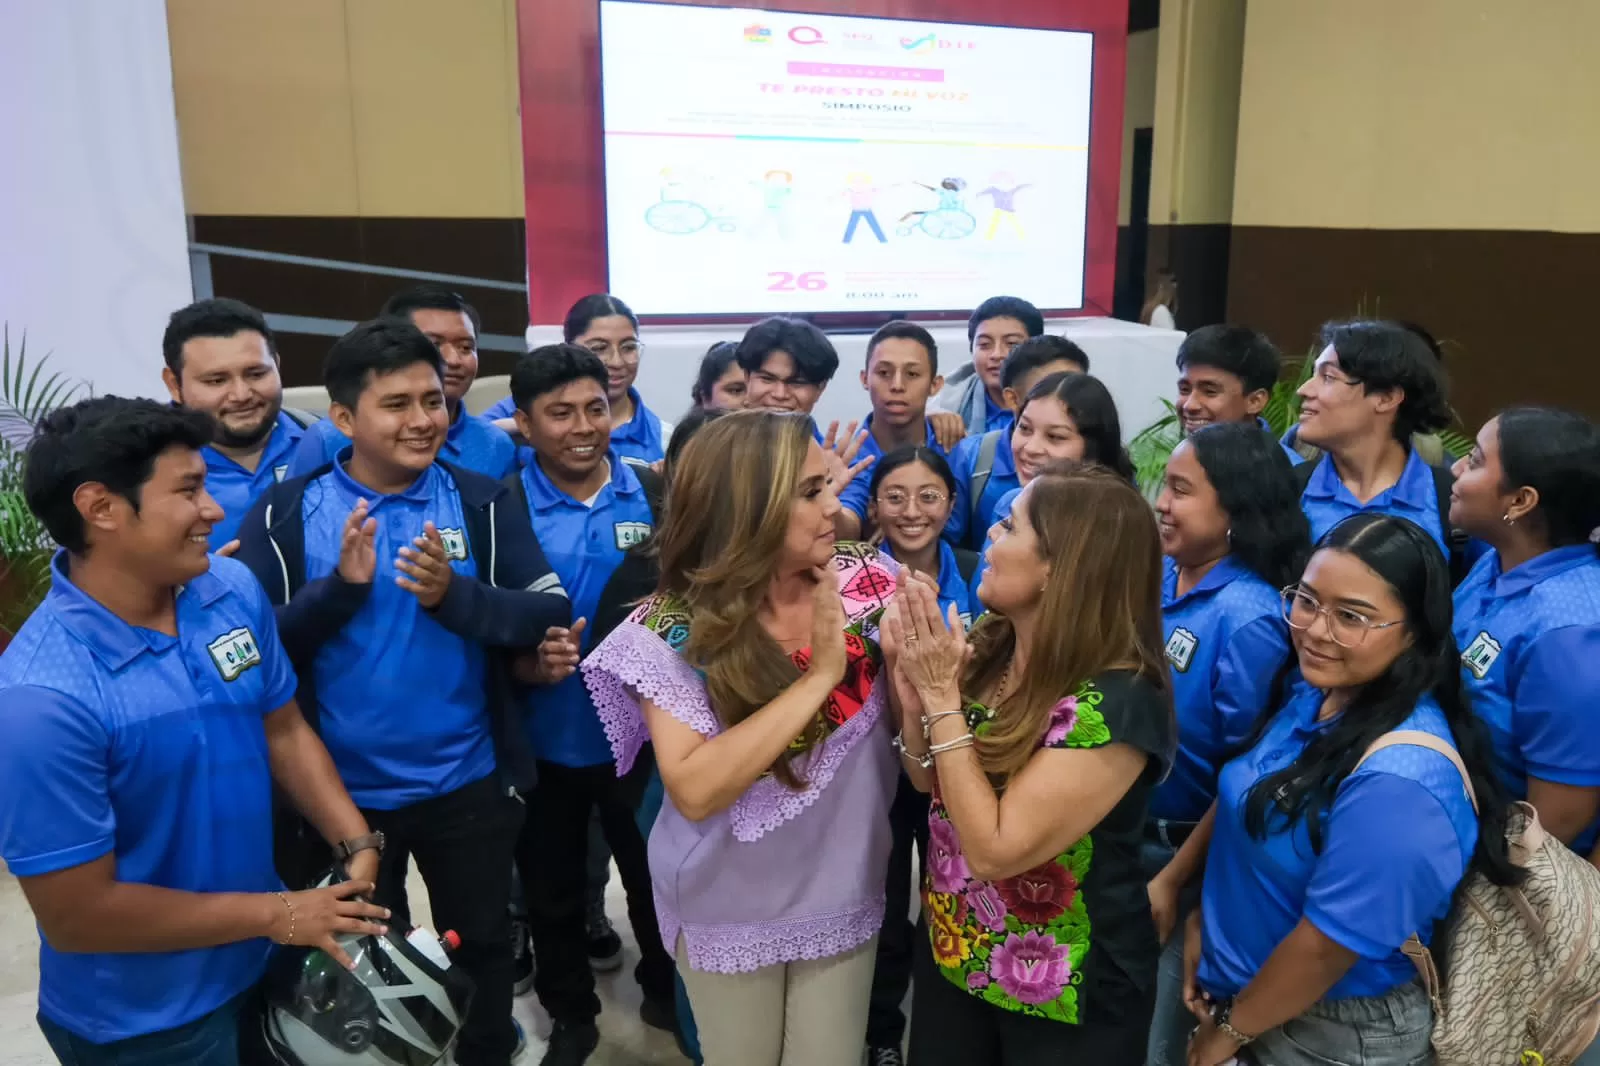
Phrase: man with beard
(222, 360)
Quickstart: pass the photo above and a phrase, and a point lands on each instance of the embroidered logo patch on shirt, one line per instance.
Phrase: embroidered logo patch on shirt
(1180, 649)
(455, 544)
(630, 533)
(280, 471)
(1481, 654)
(234, 652)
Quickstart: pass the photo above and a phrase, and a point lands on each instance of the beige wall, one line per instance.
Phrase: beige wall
(402, 108)
(1197, 110)
(1138, 106)
(1422, 114)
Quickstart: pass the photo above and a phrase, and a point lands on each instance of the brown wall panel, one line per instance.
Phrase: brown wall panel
(1198, 254)
(1513, 309)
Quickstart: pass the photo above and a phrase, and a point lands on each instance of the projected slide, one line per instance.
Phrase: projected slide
(758, 161)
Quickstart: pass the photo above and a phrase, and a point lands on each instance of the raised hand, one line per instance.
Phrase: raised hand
(559, 653)
(358, 554)
(933, 647)
(840, 454)
(424, 569)
(828, 658)
(314, 918)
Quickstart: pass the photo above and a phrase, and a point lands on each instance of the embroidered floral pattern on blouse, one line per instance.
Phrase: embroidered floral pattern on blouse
(1018, 943)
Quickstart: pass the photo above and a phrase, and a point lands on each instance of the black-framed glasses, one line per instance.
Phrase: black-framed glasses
(1347, 627)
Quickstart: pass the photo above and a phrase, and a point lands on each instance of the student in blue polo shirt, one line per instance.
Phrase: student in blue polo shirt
(1226, 374)
(590, 508)
(223, 360)
(608, 328)
(984, 467)
(148, 710)
(404, 586)
(976, 391)
(1233, 536)
(1374, 386)
(1327, 856)
(902, 372)
(1528, 616)
(452, 325)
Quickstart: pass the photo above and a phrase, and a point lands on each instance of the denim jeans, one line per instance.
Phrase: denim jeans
(1388, 1030)
(211, 1040)
(1172, 1023)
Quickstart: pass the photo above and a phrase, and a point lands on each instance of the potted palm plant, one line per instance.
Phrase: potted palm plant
(28, 392)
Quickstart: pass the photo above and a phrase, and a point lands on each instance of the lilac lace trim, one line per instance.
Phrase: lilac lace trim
(745, 948)
(769, 803)
(634, 657)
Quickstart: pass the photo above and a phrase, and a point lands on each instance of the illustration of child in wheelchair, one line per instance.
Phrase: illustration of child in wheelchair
(948, 221)
(678, 213)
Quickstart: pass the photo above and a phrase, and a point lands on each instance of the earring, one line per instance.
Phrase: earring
(1507, 519)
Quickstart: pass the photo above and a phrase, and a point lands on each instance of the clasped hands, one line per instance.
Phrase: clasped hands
(924, 649)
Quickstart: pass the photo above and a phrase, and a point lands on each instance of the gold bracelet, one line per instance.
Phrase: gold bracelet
(289, 939)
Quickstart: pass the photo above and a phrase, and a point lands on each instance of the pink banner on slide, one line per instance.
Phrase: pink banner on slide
(863, 70)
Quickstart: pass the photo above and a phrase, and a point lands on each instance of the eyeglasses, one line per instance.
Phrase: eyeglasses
(626, 352)
(1327, 377)
(895, 500)
(1347, 627)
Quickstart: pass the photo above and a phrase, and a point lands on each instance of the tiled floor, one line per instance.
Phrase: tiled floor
(624, 1040)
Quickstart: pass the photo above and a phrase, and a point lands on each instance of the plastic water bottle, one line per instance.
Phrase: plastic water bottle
(435, 949)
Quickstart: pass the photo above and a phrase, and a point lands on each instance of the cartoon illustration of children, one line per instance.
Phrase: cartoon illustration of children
(949, 220)
(776, 187)
(862, 195)
(949, 192)
(1002, 194)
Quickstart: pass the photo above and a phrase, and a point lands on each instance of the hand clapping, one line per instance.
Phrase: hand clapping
(932, 648)
(559, 653)
(424, 569)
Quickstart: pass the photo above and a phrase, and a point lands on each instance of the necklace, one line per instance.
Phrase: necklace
(1004, 687)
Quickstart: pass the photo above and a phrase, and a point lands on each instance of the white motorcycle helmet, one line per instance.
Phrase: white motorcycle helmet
(396, 1008)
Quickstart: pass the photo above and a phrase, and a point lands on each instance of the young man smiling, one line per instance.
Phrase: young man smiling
(590, 507)
(148, 710)
(975, 392)
(1226, 374)
(452, 325)
(222, 360)
(404, 586)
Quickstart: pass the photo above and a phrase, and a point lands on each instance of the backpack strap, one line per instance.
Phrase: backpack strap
(1417, 738)
(967, 563)
(300, 417)
(988, 448)
(1455, 540)
(1303, 472)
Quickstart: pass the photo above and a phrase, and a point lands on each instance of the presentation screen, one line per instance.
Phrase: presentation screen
(764, 162)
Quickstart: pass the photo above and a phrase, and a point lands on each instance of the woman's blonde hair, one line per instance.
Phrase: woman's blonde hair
(727, 516)
(1100, 609)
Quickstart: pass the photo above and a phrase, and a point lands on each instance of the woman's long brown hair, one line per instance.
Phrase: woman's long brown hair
(1100, 609)
(727, 514)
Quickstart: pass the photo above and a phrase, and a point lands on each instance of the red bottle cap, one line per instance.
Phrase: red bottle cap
(451, 940)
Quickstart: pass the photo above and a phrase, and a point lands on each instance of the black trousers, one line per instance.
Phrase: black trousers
(552, 860)
(463, 842)
(952, 1027)
(898, 942)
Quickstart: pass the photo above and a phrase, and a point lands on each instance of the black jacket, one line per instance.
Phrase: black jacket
(516, 597)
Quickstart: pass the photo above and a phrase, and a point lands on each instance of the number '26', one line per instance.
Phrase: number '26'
(783, 281)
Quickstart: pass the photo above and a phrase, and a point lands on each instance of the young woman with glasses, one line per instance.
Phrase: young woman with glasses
(1325, 859)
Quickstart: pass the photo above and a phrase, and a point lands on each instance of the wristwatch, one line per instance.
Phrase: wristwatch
(346, 850)
(1221, 1011)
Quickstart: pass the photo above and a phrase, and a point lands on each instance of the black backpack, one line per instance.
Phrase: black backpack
(1443, 481)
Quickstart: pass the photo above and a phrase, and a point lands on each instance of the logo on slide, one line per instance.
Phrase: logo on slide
(756, 33)
(806, 35)
(930, 42)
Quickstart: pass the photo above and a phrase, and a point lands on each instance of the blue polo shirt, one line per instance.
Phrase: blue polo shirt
(1002, 479)
(235, 489)
(996, 416)
(470, 442)
(585, 543)
(1530, 658)
(1226, 640)
(1295, 458)
(643, 437)
(125, 741)
(1327, 502)
(953, 588)
(1395, 845)
(402, 700)
(858, 492)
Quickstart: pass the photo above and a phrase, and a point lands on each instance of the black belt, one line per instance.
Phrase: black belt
(1168, 832)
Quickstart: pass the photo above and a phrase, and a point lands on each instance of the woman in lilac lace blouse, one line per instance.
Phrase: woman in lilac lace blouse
(753, 671)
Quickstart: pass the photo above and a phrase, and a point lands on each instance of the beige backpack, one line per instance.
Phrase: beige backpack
(1524, 963)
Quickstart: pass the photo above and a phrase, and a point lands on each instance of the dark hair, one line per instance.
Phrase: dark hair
(690, 424)
(110, 440)
(1256, 486)
(714, 364)
(429, 298)
(1245, 353)
(1427, 338)
(373, 349)
(1557, 454)
(220, 317)
(906, 331)
(1410, 562)
(1094, 413)
(550, 367)
(1380, 356)
(1006, 307)
(1039, 351)
(907, 454)
(809, 347)
(596, 305)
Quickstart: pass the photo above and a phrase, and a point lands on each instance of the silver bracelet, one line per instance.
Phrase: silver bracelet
(966, 740)
(929, 719)
(924, 760)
